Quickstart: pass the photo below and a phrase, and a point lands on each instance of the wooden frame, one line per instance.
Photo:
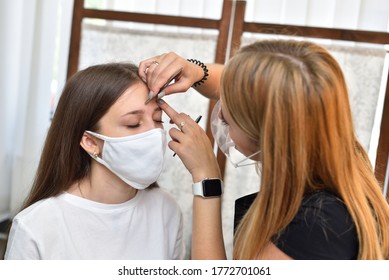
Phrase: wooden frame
(79, 13)
(236, 10)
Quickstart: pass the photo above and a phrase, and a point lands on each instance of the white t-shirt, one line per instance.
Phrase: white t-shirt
(149, 226)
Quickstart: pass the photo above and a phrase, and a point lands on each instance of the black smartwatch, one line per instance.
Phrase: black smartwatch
(209, 187)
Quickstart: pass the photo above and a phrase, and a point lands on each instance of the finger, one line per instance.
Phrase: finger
(181, 84)
(176, 135)
(180, 119)
(170, 112)
(159, 77)
(152, 66)
(170, 65)
(145, 64)
(178, 139)
(174, 146)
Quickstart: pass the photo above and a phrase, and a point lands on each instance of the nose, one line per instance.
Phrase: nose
(152, 116)
(150, 123)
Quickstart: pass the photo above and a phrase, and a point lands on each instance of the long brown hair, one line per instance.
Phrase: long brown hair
(86, 97)
(291, 98)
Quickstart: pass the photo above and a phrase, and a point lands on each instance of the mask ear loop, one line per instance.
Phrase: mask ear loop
(238, 164)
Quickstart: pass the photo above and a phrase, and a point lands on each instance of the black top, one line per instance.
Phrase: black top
(322, 229)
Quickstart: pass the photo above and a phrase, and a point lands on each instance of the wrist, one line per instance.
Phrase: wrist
(204, 73)
(198, 176)
(208, 188)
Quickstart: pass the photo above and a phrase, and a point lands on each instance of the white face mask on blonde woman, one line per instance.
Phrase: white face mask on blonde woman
(220, 131)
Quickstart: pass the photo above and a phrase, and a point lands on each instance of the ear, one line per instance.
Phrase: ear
(90, 144)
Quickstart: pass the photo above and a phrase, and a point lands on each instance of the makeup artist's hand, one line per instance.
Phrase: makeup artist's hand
(157, 70)
(192, 145)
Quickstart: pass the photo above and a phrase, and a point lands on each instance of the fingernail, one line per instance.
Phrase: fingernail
(144, 80)
(151, 94)
(160, 95)
(160, 101)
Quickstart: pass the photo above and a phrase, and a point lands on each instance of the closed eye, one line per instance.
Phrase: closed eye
(134, 126)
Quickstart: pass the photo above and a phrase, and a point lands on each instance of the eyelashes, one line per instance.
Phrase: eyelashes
(221, 117)
(140, 123)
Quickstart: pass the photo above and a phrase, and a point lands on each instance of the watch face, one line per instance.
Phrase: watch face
(212, 187)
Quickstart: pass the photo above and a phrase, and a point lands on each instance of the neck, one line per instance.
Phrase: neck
(104, 187)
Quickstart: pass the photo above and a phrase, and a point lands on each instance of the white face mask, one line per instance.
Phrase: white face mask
(222, 137)
(136, 159)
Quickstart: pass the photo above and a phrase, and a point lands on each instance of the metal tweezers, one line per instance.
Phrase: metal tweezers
(165, 85)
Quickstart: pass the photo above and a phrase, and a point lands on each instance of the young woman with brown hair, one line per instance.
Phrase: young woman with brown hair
(93, 195)
(284, 104)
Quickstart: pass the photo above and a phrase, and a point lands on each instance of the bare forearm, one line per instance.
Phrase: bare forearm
(211, 87)
(194, 148)
(207, 235)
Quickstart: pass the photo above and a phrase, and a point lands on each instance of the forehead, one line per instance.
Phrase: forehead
(133, 94)
(133, 97)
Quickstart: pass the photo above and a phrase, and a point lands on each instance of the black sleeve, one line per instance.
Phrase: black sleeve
(321, 230)
(241, 206)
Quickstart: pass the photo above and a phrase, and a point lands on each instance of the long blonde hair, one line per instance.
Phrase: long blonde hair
(291, 98)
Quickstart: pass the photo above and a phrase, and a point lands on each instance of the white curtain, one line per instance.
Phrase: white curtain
(27, 53)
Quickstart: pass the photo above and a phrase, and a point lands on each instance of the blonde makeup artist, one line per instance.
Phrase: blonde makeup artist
(283, 104)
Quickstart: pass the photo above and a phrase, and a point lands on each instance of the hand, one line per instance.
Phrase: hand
(192, 145)
(157, 70)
